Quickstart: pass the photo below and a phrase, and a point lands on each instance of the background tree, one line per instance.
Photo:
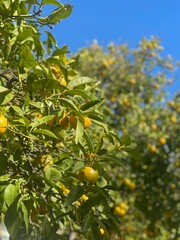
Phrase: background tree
(135, 82)
(53, 172)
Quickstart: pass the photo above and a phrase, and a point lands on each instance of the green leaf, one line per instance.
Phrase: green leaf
(125, 140)
(77, 166)
(13, 219)
(26, 58)
(51, 41)
(39, 121)
(3, 165)
(45, 132)
(66, 164)
(89, 141)
(5, 95)
(82, 93)
(79, 132)
(91, 202)
(52, 2)
(75, 193)
(59, 14)
(10, 193)
(76, 82)
(51, 175)
(95, 231)
(5, 178)
(89, 219)
(133, 152)
(92, 105)
(114, 159)
(70, 103)
(25, 216)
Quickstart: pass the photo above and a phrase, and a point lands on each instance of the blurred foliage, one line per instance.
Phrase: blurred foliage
(135, 83)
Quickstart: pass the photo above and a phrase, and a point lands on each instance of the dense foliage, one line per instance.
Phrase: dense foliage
(136, 84)
(54, 143)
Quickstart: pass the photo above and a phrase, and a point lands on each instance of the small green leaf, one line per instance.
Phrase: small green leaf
(26, 58)
(52, 2)
(76, 82)
(89, 219)
(92, 105)
(113, 159)
(89, 141)
(75, 193)
(5, 95)
(39, 121)
(77, 166)
(51, 175)
(79, 132)
(45, 132)
(91, 202)
(59, 14)
(10, 193)
(125, 140)
(13, 219)
(25, 216)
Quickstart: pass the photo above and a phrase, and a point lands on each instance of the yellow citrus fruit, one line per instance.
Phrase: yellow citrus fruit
(123, 205)
(46, 159)
(88, 174)
(86, 122)
(83, 198)
(152, 148)
(63, 122)
(101, 231)
(173, 119)
(162, 140)
(129, 183)
(132, 81)
(119, 211)
(154, 126)
(3, 124)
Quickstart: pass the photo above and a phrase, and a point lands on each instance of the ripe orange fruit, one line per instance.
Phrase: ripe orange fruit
(86, 122)
(88, 174)
(3, 124)
(162, 140)
(73, 120)
(63, 122)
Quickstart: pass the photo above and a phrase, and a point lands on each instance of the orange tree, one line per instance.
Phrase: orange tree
(54, 182)
(136, 82)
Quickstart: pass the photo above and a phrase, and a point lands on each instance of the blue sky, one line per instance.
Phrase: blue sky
(122, 21)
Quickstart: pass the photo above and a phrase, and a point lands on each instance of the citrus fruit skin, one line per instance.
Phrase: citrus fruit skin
(101, 231)
(119, 211)
(3, 124)
(46, 159)
(73, 120)
(162, 141)
(86, 122)
(63, 122)
(88, 174)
